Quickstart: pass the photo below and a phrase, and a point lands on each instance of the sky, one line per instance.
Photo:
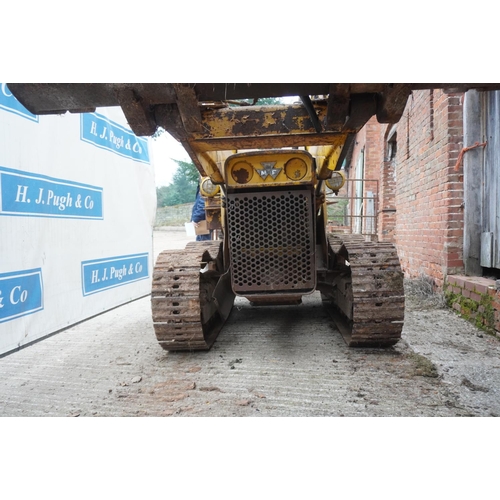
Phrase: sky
(165, 149)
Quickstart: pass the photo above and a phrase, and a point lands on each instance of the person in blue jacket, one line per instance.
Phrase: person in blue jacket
(198, 214)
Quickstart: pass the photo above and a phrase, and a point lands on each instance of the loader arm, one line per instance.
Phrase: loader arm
(207, 120)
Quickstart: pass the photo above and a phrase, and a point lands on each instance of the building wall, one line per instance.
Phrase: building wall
(429, 194)
(371, 140)
(421, 197)
(387, 212)
(369, 147)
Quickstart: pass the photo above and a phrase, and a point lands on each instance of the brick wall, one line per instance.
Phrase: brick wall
(372, 139)
(429, 194)
(374, 149)
(387, 213)
(476, 299)
(421, 200)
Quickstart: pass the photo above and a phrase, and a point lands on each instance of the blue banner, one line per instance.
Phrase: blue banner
(34, 195)
(103, 133)
(21, 293)
(11, 104)
(102, 274)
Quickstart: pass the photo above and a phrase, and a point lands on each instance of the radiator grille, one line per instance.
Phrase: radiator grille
(271, 241)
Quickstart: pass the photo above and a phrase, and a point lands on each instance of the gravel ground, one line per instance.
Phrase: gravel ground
(281, 362)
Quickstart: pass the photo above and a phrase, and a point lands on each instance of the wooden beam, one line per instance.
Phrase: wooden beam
(53, 98)
(139, 115)
(473, 185)
(168, 117)
(187, 102)
(392, 102)
(338, 106)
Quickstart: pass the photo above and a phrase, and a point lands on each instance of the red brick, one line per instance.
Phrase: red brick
(481, 288)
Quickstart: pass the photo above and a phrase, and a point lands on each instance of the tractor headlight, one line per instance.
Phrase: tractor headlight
(336, 181)
(208, 188)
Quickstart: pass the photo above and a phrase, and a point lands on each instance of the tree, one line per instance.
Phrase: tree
(162, 194)
(261, 101)
(269, 101)
(182, 189)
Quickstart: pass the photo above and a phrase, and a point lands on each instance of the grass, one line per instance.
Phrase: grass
(421, 293)
(173, 216)
(423, 367)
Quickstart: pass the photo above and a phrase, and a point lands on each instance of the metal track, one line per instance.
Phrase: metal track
(186, 315)
(369, 295)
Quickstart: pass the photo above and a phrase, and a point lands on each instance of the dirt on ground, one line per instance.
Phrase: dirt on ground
(279, 361)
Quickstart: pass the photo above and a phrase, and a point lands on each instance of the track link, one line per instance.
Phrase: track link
(369, 294)
(186, 316)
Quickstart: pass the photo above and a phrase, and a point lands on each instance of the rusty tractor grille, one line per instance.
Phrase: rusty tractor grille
(271, 241)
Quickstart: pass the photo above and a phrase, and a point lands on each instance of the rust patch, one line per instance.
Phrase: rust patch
(241, 176)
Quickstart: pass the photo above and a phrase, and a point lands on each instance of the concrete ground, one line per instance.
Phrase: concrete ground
(280, 362)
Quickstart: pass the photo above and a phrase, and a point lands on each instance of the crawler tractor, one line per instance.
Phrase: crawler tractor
(266, 171)
(275, 250)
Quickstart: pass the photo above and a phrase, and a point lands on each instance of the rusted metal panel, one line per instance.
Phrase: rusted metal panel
(258, 120)
(213, 207)
(269, 169)
(262, 142)
(256, 127)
